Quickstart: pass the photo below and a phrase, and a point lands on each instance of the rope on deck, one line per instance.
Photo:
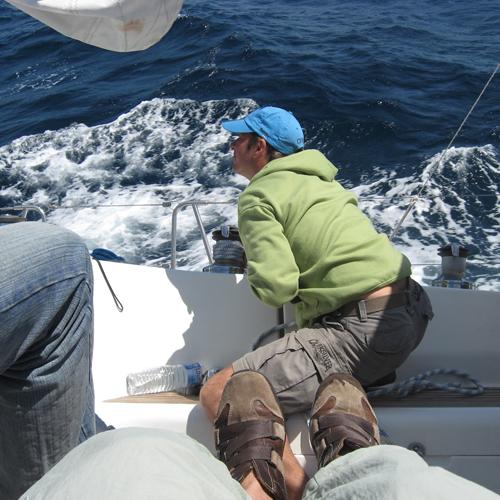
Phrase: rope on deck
(467, 386)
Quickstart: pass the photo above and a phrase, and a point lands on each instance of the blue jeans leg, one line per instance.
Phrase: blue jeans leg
(46, 334)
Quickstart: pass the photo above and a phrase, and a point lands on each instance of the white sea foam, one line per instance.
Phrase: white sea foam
(180, 142)
(447, 211)
(168, 151)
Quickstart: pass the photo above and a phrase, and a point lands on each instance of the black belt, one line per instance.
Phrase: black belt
(367, 306)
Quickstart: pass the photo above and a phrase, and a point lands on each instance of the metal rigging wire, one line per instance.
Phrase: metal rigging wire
(424, 185)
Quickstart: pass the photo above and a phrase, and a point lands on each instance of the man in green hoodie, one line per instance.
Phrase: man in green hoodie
(307, 242)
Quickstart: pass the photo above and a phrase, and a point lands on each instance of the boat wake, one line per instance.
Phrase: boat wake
(165, 151)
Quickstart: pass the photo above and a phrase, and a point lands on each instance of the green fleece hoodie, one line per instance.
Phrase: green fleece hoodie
(306, 239)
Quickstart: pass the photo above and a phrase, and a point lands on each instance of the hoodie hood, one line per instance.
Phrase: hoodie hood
(308, 162)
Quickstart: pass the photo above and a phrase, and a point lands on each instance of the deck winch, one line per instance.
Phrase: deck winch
(453, 265)
(228, 252)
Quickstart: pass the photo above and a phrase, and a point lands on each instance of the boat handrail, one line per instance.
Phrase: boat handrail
(194, 204)
(25, 210)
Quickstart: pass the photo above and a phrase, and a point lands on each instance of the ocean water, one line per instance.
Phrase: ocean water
(109, 143)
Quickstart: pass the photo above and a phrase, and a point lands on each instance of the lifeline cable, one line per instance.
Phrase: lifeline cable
(168, 204)
(424, 185)
(165, 204)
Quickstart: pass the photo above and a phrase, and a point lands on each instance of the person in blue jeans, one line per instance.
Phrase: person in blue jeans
(46, 334)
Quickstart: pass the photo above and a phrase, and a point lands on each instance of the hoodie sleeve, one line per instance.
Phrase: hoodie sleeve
(272, 271)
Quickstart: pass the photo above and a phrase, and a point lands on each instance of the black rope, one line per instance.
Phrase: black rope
(277, 328)
(118, 304)
(423, 382)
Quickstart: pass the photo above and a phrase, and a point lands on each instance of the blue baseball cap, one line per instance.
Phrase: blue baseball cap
(277, 126)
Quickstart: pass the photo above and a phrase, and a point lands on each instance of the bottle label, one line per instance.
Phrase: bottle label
(194, 373)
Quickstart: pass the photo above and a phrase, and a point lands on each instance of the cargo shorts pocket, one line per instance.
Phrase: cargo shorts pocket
(328, 349)
(291, 371)
(284, 362)
(386, 332)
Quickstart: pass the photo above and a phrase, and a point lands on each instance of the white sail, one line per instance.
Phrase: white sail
(118, 25)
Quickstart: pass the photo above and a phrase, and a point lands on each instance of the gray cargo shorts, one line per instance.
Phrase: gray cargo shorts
(369, 348)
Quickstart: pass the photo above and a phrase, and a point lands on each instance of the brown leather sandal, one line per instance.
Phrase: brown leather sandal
(342, 419)
(250, 432)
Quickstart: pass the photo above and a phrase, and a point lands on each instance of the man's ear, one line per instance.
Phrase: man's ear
(261, 146)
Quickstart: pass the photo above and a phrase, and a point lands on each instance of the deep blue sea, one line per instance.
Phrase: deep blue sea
(379, 87)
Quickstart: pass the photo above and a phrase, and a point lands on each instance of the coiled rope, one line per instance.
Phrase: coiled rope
(467, 386)
(433, 170)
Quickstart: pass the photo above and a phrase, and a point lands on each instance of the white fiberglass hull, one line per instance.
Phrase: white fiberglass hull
(178, 316)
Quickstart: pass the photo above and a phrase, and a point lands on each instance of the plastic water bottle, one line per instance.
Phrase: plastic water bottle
(179, 378)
